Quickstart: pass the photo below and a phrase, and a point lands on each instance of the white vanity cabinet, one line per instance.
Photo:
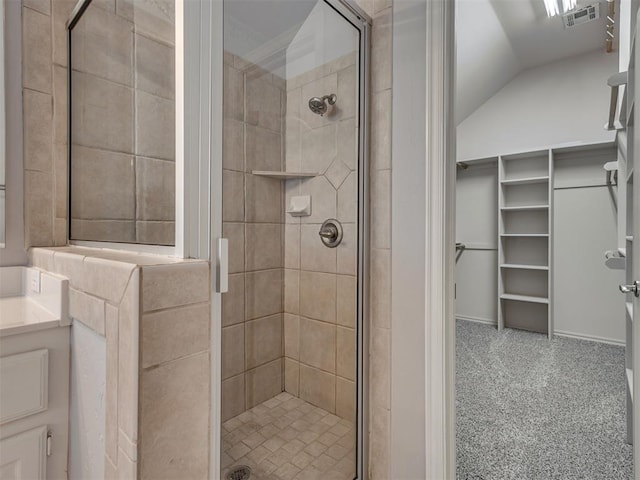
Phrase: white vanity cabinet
(34, 376)
(24, 456)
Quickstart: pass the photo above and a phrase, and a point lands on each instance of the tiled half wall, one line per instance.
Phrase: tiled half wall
(155, 315)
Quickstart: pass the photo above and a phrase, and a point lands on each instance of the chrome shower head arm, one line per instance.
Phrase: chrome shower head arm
(330, 99)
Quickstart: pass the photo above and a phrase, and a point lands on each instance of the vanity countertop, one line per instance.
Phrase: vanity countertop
(31, 300)
(22, 315)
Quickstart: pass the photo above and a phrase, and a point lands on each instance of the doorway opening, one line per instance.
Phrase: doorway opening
(544, 232)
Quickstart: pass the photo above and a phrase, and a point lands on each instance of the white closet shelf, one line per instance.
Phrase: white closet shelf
(520, 266)
(629, 308)
(526, 180)
(630, 381)
(284, 175)
(540, 235)
(524, 298)
(522, 208)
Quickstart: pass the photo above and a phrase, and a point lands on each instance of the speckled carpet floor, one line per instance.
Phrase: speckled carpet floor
(533, 409)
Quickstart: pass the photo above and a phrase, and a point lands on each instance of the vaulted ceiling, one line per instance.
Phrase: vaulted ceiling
(498, 39)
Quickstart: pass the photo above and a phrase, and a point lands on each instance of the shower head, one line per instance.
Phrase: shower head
(320, 105)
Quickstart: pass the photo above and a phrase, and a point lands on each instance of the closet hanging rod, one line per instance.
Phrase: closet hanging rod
(460, 246)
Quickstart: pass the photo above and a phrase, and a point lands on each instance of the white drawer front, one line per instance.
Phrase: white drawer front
(24, 456)
(23, 384)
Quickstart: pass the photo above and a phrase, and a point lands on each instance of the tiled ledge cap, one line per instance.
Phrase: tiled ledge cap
(94, 270)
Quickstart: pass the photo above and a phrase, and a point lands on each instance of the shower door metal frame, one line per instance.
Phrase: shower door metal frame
(362, 22)
(211, 30)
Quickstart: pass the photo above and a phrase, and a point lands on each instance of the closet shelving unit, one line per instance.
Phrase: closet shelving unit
(525, 202)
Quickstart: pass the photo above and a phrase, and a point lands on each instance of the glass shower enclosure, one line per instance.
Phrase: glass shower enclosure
(293, 189)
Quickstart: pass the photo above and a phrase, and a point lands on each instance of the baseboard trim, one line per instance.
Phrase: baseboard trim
(590, 338)
(560, 333)
(486, 321)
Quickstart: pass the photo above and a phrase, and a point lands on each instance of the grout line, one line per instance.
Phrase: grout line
(173, 360)
(176, 307)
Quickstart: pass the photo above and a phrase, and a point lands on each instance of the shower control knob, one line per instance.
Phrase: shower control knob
(331, 233)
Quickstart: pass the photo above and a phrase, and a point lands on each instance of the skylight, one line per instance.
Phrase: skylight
(553, 6)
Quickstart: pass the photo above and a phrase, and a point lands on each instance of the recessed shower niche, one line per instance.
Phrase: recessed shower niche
(293, 159)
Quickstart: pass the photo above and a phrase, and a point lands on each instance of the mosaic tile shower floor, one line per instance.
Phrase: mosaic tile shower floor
(287, 438)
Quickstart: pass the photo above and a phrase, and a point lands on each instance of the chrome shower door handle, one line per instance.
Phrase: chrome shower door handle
(633, 288)
(222, 266)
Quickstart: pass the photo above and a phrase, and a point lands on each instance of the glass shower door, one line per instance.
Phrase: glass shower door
(293, 170)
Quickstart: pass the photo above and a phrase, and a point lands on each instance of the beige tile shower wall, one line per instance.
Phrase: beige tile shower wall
(44, 79)
(253, 222)
(320, 282)
(155, 315)
(123, 152)
(380, 231)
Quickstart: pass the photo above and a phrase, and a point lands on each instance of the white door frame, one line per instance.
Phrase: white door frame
(440, 300)
(634, 273)
(422, 441)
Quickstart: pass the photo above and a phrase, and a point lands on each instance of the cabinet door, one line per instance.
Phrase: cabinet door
(24, 456)
(23, 384)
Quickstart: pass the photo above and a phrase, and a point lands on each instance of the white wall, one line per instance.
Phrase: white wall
(480, 41)
(256, 30)
(87, 409)
(624, 34)
(477, 228)
(586, 301)
(324, 36)
(565, 101)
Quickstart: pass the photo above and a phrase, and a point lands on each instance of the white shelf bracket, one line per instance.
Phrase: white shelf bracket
(615, 81)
